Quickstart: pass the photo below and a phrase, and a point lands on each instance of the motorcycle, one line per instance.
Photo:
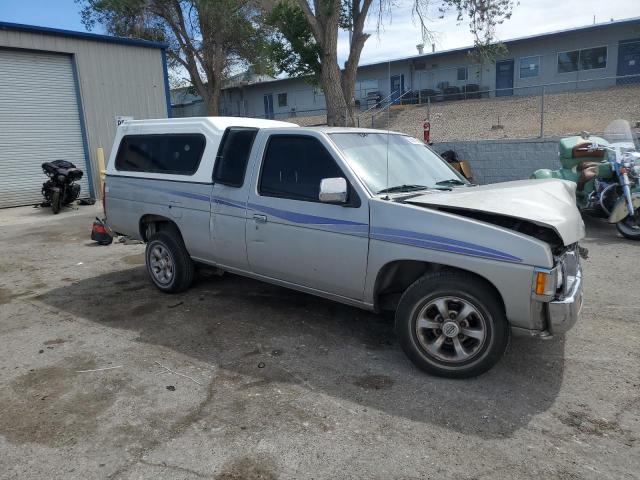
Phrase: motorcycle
(61, 188)
(607, 173)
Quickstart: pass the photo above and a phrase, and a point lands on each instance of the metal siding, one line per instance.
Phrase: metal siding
(39, 122)
(114, 80)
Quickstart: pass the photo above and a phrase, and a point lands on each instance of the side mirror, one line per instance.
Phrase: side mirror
(333, 190)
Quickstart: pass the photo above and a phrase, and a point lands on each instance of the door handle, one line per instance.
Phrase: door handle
(175, 203)
(260, 218)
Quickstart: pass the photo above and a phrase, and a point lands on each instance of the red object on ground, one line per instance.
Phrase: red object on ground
(426, 127)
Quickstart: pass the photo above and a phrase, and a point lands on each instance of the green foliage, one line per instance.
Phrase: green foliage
(483, 16)
(292, 47)
(196, 31)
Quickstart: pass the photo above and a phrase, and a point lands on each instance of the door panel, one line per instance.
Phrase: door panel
(504, 78)
(309, 244)
(629, 61)
(299, 239)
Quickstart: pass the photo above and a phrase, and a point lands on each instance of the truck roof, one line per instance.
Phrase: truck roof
(219, 124)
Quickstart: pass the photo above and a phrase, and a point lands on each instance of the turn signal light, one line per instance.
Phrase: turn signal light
(541, 282)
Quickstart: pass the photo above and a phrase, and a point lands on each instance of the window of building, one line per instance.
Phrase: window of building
(461, 73)
(592, 58)
(293, 167)
(585, 59)
(177, 154)
(318, 95)
(529, 67)
(363, 87)
(568, 61)
(233, 155)
(282, 99)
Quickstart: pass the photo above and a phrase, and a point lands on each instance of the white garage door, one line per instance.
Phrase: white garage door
(39, 122)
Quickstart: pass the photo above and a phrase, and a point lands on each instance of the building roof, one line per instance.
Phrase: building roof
(513, 41)
(81, 35)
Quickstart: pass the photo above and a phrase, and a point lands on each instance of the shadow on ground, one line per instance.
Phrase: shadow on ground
(273, 334)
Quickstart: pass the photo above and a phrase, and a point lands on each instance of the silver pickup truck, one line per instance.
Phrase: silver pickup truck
(364, 217)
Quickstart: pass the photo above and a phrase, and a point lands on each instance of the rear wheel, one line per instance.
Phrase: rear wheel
(168, 262)
(630, 226)
(452, 324)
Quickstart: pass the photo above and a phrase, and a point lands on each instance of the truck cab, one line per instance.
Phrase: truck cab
(364, 217)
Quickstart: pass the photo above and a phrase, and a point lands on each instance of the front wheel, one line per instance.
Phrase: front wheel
(56, 201)
(452, 324)
(630, 226)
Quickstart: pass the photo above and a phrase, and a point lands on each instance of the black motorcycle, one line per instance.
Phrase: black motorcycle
(61, 188)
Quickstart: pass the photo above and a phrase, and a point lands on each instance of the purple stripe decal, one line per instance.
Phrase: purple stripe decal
(302, 217)
(405, 235)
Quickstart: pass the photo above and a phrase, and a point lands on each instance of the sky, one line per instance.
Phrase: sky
(399, 34)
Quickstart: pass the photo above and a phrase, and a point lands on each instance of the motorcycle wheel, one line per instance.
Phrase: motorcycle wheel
(56, 201)
(630, 226)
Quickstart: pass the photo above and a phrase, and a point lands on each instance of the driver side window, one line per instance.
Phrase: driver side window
(293, 167)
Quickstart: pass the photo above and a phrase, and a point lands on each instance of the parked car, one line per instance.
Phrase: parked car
(364, 217)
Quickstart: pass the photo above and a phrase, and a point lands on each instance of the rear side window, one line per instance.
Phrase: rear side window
(233, 155)
(293, 167)
(177, 154)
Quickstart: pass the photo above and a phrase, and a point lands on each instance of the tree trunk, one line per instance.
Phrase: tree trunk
(212, 104)
(331, 79)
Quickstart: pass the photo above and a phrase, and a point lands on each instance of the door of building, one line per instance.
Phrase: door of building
(504, 78)
(268, 106)
(39, 122)
(629, 61)
(397, 87)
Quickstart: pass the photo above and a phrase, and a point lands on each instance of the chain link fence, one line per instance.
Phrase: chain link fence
(552, 110)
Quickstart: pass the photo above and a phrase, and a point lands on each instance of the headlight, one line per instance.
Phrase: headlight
(559, 277)
(61, 178)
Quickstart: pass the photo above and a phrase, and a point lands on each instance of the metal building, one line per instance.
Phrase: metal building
(60, 95)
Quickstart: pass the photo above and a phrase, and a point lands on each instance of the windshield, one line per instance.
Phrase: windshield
(618, 133)
(412, 166)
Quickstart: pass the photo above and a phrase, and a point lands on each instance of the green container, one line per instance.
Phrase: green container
(567, 145)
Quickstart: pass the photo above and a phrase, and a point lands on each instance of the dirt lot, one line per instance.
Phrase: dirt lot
(284, 385)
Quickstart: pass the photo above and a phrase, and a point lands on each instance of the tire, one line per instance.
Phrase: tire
(625, 227)
(440, 346)
(56, 201)
(168, 263)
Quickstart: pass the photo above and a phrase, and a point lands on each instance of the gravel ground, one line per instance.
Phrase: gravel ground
(519, 117)
(508, 117)
(280, 385)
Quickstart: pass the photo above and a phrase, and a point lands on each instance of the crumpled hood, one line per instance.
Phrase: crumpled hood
(549, 202)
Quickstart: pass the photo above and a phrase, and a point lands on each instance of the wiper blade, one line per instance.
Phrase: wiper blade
(403, 188)
(451, 181)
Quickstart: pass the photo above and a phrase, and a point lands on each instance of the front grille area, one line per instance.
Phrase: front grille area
(569, 263)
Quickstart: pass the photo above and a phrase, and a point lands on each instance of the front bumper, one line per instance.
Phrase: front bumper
(564, 312)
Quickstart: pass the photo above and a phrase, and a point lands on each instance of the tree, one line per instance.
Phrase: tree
(312, 47)
(206, 38)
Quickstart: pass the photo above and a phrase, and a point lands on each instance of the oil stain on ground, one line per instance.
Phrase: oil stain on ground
(49, 406)
(373, 382)
(248, 468)
(137, 259)
(583, 423)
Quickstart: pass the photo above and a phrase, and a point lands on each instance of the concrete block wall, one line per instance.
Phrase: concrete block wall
(495, 161)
